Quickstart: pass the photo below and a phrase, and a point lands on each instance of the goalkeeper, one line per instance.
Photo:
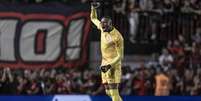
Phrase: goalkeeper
(112, 53)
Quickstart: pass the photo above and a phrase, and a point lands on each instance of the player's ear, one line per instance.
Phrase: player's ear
(110, 22)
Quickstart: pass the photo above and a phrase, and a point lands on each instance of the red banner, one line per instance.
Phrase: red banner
(35, 37)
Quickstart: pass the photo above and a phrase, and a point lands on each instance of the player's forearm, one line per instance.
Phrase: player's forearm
(94, 18)
(10, 77)
(118, 58)
(115, 60)
(3, 78)
(93, 14)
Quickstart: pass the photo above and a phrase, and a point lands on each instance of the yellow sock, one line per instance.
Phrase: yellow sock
(115, 95)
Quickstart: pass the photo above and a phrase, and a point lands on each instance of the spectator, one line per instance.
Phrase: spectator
(153, 61)
(146, 5)
(133, 18)
(126, 81)
(167, 6)
(197, 36)
(138, 85)
(176, 5)
(119, 6)
(196, 90)
(195, 56)
(165, 59)
(21, 84)
(176, 47)
(186, 8)
(163, 83)
(149, 80)
(7, 82)
(188, 84)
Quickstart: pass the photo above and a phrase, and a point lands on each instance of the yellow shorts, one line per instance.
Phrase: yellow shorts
(113, 75)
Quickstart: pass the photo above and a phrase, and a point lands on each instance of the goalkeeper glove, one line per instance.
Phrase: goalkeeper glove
(95, 4)
(105, 68)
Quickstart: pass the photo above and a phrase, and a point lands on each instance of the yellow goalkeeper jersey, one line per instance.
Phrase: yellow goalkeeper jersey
(112, 45)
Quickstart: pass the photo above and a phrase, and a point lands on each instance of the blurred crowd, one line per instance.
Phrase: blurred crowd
(177, 23)
(180, 62)
(47, 81)
(185, 80)
(145, 21)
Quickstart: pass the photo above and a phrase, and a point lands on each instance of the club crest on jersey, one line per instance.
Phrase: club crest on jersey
(108, 38)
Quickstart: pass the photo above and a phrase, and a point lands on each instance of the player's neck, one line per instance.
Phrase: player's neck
(110, 29)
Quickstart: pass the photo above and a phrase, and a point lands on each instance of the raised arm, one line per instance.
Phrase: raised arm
(94, 17)
(10, 76)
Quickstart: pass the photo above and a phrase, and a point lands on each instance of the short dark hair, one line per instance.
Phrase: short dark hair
(107, 17)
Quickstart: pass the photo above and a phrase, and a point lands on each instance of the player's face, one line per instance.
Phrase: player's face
(106, 24)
